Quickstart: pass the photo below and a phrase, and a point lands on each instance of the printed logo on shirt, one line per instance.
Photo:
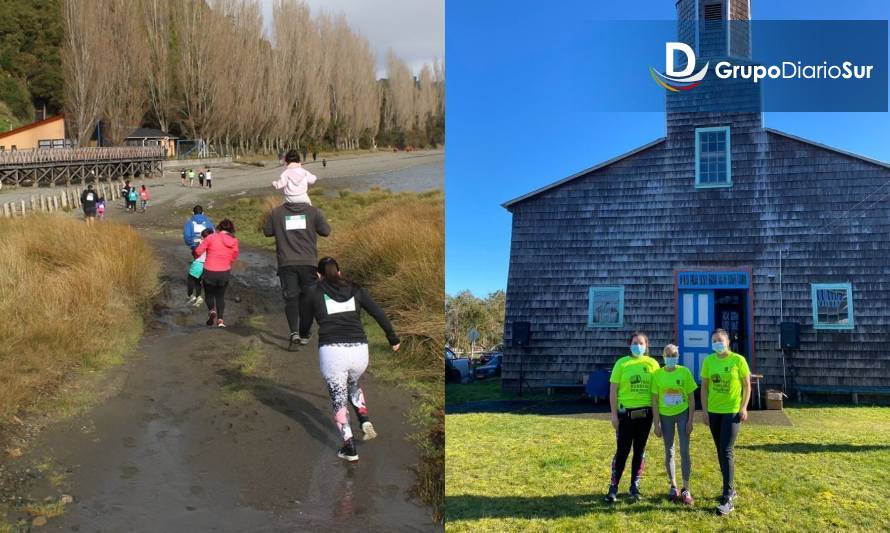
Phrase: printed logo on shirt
(334, 307)
(294, 222)
(90, 197)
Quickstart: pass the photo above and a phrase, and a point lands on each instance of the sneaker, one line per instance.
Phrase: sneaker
(198, 301)
(612, 496)
(686, 497)
(211, 318)
(304, 340)
(673, 495)
(635, 494)
(725, 506)
(348, 451)
(368, 430)
(220, 323)
(191, 300)
(294, 338)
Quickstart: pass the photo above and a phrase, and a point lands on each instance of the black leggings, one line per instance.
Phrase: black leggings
(725, 430)
(215, 284)
(193, 284)
(631, 434)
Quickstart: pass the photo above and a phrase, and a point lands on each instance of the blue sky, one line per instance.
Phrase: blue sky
(515, 124)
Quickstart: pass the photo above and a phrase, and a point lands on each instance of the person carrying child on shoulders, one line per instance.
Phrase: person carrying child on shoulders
(295, 180)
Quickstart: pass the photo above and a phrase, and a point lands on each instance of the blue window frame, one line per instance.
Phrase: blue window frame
(605, 308)
(832, 305)
(713, 161)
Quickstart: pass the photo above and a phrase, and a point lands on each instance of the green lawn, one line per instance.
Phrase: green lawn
(483, 389)
(509, 472)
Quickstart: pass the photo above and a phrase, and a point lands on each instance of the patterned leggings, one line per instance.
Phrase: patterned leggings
(341, 366)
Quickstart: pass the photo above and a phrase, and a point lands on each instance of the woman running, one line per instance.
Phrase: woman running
(725, 391)
(630, 398)
(222, 251)
(343, 347)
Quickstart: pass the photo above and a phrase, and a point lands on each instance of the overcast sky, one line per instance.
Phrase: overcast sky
(414, 29)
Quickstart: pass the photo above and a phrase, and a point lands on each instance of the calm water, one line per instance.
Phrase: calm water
(414, 179)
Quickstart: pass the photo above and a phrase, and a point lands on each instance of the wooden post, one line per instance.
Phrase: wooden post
(42, 202)
(33, 203)
(6, 210)
(64, 199)
(23, 208)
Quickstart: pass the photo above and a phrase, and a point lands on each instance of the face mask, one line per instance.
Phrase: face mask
(637, 349)
(718, 347)
(671, 362)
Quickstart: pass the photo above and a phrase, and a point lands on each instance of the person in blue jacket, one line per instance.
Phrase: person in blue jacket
(198, 222)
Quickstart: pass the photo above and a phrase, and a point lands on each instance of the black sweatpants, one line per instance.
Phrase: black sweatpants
(631, 434)
(725, 430)
(215, 284)
(193, 285)
(295, 283)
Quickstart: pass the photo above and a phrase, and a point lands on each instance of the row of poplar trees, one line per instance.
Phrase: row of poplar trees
(206, 69)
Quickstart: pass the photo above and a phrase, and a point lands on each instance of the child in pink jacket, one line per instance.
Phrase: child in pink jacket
(295, 180)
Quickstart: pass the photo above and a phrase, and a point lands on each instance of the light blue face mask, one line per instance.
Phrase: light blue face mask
(718, 347)
(637, 349)
(671, 362)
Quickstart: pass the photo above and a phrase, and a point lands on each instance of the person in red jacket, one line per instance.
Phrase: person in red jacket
(222, 251)
(145, 197)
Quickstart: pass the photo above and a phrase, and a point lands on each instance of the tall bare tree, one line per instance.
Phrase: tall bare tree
(125, 63)
(159, 74)
(82, 53)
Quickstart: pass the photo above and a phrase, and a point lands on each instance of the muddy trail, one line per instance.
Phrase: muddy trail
(220, 430)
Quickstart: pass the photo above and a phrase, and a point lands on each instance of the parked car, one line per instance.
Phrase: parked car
(457, 370)
(490, 369)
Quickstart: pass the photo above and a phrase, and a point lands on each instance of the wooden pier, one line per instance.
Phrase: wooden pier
(65, 166)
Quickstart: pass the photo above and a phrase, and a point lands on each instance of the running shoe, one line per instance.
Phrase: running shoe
(198, 301)
(294, 338)
(612, 496)
(673, 495)
(191, 301)
(725, 506)
(368, 430)
(220, 323)
(211, 318)
(304, 340)
(635, 494)
(686, 497)
(348, 451)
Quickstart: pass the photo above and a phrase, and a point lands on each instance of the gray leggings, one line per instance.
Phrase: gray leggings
(668, 423)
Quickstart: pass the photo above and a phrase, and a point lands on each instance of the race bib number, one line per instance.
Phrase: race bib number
(197, 228)
(672, 398)
(90, 197)
(295, 222)
(334, 307)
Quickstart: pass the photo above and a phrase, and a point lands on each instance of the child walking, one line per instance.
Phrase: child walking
(132, 196)
(100, 208)
(145, 197)
(196, 270)
(295, 180)
(209, 179)
(673, 407)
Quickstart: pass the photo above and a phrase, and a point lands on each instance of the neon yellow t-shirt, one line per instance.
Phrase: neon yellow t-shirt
(672, 389)
(633, 375)
(725, 376)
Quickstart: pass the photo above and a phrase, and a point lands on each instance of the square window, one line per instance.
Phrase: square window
(605, 308)
(832, 305)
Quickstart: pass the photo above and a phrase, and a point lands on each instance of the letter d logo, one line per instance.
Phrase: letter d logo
(669, 49)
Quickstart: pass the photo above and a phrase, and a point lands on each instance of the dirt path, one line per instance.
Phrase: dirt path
(223, 430)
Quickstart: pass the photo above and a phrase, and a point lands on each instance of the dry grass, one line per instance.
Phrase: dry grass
(71, 296)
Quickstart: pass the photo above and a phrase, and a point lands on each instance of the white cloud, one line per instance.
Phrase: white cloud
(414, 29)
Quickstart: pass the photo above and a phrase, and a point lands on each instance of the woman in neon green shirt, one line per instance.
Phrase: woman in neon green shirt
(630, 397)
(673, 406)
(725, 391)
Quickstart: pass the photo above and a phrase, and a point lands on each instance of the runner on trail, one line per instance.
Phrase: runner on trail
(201, 178)
(630, 398)
(196, 271)
(182, 177)
(673, 411)
(295, 228)
(197, 223)
(145, 197)
(191, 177)
(209, 179)
(125, 194)
(132, 197)
(294, 182)
(88, 200)
(337, 303)
(725, 391)
(222, 250)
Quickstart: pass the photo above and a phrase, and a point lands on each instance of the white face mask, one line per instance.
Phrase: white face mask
(637, 349)
(671, 362)
(718, 347)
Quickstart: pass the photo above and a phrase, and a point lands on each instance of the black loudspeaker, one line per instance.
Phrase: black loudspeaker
(521, 333)
(790, 335)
